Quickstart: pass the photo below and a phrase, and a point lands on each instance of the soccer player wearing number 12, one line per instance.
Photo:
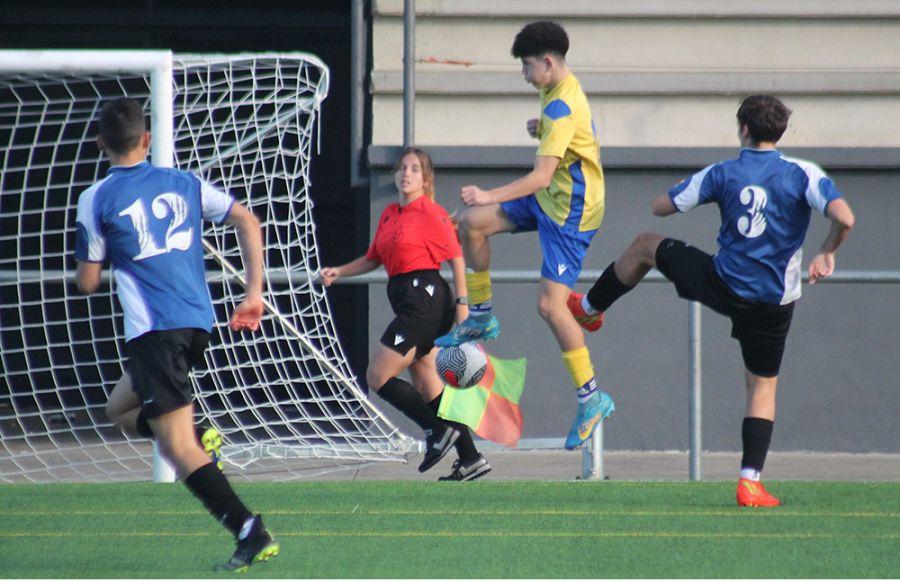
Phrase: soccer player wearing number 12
(146, 221)
(765, 201)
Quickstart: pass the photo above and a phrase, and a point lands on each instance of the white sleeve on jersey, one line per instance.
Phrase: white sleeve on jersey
(94, 243)
(686, 195)
(216, 203)
(820, 190)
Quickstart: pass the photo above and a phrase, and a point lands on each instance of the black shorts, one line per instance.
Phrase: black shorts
(160, 364)
(424, 310)
(760, 328)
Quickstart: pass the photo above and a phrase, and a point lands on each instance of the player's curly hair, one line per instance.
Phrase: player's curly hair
(122, 124)
(539, 38)
(427, 167)
(765, 117)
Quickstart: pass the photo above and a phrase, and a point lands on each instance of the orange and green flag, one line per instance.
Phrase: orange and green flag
(491, 407)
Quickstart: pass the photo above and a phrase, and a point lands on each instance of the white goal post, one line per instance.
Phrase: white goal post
(284, 398)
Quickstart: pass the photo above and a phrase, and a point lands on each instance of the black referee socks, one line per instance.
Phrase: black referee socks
(408, 401)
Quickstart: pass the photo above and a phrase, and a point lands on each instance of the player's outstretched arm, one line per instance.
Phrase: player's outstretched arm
(536, 179)
(361, 265)
(248, 313)
(663, 206)
(842, 221)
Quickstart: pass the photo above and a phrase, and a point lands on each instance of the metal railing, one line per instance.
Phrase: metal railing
(592, 459)
(592, 454)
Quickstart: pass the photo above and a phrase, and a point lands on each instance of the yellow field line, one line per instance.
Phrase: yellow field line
(473, 534)
(736, 512)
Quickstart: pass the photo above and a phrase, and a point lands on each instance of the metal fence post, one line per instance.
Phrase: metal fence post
(694, 395)
(592, 456)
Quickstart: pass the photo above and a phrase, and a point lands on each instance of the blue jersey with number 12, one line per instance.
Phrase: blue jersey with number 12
(765, 201)
(147, 221)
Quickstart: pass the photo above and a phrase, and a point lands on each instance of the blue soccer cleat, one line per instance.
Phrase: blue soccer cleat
(472, 329)
(589, 415)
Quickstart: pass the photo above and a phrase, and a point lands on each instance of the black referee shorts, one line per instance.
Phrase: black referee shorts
(423, 307)
(760, 328)
(160, 364)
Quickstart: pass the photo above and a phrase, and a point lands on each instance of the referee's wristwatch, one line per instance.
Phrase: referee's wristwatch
(462, 300)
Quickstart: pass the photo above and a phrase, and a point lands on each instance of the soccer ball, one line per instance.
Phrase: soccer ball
(462, 366)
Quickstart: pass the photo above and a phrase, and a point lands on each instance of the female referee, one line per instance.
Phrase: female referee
(413, 237)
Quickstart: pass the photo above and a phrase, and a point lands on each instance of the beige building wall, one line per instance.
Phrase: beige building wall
(657, 73)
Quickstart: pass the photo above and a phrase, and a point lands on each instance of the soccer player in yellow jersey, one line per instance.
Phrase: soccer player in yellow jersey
(562, 199)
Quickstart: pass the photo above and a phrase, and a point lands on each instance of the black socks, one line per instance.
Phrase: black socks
(142, 425)
(211, 487)
(756, 435)
(607, 289)
(407, 400)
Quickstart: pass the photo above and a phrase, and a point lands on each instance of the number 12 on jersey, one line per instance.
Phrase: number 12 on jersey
(163, 206)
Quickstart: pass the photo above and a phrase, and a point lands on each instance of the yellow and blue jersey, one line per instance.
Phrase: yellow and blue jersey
(575, 196)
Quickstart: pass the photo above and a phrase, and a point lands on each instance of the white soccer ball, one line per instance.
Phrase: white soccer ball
(462, 366)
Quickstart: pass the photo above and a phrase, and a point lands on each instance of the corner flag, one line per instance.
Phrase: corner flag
(491, 407)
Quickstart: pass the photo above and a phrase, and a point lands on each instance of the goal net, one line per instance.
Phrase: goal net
(284, 398)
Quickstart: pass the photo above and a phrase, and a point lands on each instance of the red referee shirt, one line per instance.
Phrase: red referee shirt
(418, 236)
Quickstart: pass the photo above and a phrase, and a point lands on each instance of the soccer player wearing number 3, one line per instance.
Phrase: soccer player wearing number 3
(765, 200)
(146, 221)
(562, 199)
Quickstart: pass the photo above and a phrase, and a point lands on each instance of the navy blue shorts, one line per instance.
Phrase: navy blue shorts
(563, 247)
(760, 328)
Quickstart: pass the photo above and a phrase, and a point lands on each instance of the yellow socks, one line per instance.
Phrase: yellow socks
(578, 363)
(480, 295)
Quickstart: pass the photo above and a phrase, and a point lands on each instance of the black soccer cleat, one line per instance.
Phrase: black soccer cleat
(436, 447)
(479, 467)
(257, 546)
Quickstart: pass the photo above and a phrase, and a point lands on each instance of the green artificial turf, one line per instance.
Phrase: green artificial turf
(400, 529)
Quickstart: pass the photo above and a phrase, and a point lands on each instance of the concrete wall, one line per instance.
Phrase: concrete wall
(657, 73)
(664, 80)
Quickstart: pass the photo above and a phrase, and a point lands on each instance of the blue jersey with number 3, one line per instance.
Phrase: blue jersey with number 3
(765, 201)
(147, 221)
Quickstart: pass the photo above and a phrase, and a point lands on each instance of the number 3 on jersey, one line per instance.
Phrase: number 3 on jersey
(755, 199)
(162, 205)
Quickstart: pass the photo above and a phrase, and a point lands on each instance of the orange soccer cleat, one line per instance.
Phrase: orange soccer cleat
(589, 322)
(752, 494)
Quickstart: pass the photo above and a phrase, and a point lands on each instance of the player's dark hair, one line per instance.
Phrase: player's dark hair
(122, 125)
(539, 38)
(765, 117)
(427, 167)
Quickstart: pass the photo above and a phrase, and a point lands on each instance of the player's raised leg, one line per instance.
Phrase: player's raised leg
(476, 226)
(123, 409)
(621, 276)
